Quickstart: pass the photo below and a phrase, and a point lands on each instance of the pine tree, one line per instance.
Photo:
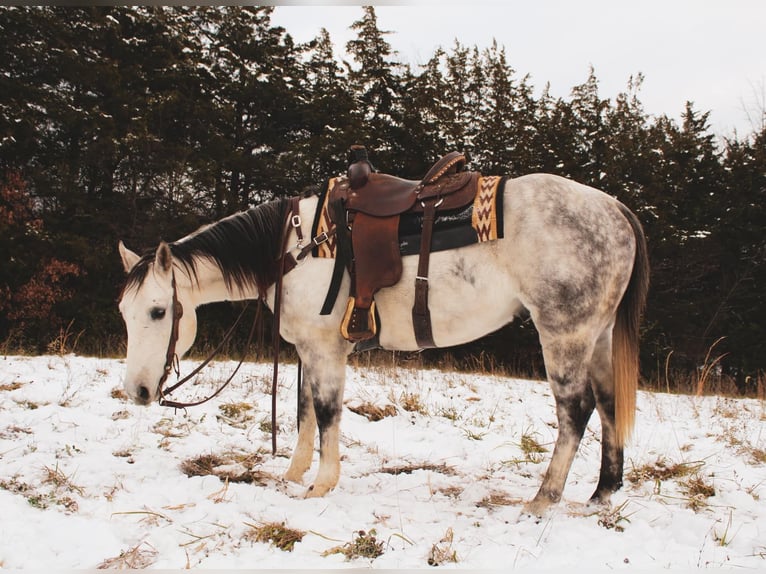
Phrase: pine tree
(378, 98)
(330, 127)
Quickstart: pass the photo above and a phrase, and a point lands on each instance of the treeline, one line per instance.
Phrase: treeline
(141, 123)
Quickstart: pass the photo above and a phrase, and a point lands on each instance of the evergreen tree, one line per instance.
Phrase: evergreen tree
(378, 96)
(330, 126)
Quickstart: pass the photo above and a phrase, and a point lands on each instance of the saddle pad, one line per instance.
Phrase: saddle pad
(479, 222)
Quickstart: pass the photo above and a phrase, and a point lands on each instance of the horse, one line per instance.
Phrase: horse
(572, 258)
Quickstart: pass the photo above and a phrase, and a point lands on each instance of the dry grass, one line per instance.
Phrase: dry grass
(57, 478)
(451, 491)
(373, 412)
(410, 468)
(442, 552)
(231, 467)
(531, 448)
(612, 518)
(692, 484)
(697, 490)
(11, 386)
(236, 415)
(758, 455)
(497, 499)
(412, 403)
(276, 533)
(661, 470)
(137, 558)
(43, 498)
(364, 545)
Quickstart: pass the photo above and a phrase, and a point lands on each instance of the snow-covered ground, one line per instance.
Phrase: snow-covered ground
(88, 480)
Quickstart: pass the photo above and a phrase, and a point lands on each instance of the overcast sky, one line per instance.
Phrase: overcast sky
(710, 52)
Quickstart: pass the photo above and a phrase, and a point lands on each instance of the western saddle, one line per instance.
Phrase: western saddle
(365, 207)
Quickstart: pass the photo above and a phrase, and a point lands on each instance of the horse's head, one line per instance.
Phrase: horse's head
(150, 303)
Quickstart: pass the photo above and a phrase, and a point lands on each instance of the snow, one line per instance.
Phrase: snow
(88, 480)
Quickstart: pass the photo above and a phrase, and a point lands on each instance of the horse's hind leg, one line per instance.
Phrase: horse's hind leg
(602, 382)
(304, 449)
(566, 363)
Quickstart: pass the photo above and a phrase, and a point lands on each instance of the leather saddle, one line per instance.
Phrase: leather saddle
(365, 207)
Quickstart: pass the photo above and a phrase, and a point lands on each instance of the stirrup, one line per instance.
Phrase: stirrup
(358, 324)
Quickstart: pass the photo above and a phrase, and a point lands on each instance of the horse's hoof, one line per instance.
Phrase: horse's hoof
(317, 491)
(292, 476)
(535, 509)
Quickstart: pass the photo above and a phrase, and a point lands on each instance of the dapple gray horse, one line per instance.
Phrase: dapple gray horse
(573, 257)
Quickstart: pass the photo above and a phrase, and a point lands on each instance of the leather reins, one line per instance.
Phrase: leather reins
(286, 263)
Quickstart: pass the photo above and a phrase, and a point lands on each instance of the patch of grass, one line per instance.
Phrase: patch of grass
(28, 405)
(13, 431)
(277, 534)
(137, 558)
(42, 500)
(364, 545)
(531, 448)
(120, 415)
(449, 413)
(442, 552)
(231, 467)
(698, 490)
(11, 386)
(66, 340)
(451, 491)
(119, 394)
(495, 499)
(412, 403)
(723, 538)
(410, 468)
(236, 415)
(235, 410)
(373, 412)
(612, 518)
(165, 427)
(266, 426)
(58, 479)
(661, 470)
(758, 455)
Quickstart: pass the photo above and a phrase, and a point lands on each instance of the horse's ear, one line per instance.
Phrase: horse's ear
(129, 259)
(163, 257)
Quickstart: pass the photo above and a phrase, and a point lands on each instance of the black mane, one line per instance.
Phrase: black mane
(245, 246)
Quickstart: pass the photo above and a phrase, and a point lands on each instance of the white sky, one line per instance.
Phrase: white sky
(711, 52)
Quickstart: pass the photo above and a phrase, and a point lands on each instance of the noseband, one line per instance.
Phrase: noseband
(172, 361)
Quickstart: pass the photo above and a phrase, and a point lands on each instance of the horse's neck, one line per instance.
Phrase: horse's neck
(209, 285)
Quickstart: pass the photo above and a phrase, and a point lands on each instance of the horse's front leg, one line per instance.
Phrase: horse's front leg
(321, 405)
(327, 385)
(304, 449)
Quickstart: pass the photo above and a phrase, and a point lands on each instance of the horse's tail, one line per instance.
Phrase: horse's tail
(625, 337)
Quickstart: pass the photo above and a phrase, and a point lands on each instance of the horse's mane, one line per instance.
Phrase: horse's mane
(245, 246)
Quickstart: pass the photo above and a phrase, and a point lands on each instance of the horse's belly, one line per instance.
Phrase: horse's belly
(470, 295)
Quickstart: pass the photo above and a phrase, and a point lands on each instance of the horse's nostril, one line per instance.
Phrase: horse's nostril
(143, 394)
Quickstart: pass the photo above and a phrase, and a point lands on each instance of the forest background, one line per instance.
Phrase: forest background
(142, 123)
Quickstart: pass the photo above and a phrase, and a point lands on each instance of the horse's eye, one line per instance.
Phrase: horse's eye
(157, 313)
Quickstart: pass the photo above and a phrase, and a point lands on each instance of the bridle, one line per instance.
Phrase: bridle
(172, 362)
(286, 263)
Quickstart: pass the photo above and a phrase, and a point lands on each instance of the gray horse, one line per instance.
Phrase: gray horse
(573, 257)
